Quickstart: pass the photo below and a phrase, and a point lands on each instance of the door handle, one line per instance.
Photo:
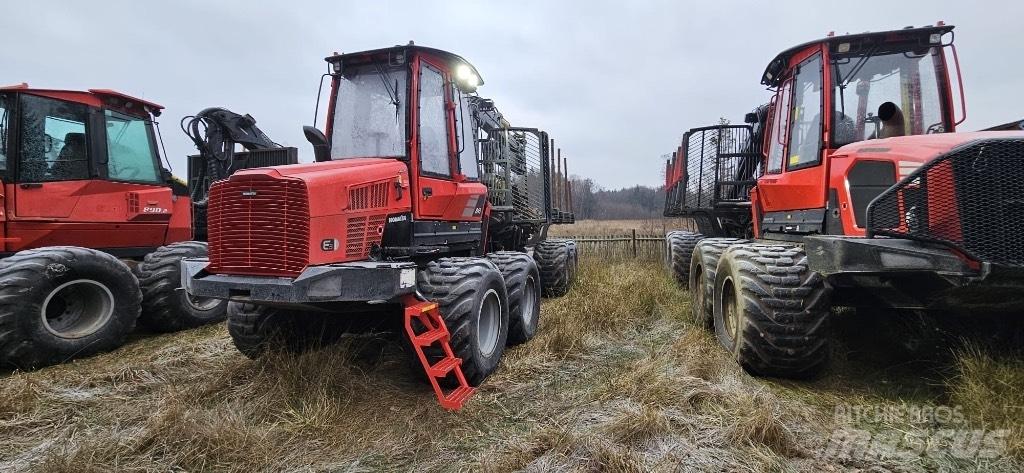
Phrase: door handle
(427, 192)
(30, 185)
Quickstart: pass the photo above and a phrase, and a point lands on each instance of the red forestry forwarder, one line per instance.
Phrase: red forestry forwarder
(422, 200)
(850, 188)
(93, 227)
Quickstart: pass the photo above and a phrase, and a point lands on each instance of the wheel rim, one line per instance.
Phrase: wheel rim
(77, 308)
(529, 301)
(201, 304)
(730, 310)
(488, 321)
(697, 289)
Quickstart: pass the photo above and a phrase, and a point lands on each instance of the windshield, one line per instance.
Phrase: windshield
(885, 95)
(369, 116)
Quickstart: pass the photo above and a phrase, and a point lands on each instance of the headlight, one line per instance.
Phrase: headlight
(467, 77)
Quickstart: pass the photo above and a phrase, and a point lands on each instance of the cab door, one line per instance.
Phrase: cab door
(432, 145)
(53, 169)
(795, 178)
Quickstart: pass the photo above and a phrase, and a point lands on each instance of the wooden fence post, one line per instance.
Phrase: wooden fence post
(634, 243)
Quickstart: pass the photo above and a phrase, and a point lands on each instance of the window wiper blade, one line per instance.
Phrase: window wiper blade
(392, 91)
(842, 87)
(859, 65)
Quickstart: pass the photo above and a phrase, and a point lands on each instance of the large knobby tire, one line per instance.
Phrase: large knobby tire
(522, 281)
(166, 307)
(62, 302)
(257, 329)
(703, 267)
(771, 311)
(473, 301)
(557, 261)
(679, 247)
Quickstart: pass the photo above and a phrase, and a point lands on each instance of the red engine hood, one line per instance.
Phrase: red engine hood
(912, 151)
(328, 183)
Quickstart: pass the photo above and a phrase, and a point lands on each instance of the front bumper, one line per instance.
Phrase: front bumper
(910, 274)
(364, 281)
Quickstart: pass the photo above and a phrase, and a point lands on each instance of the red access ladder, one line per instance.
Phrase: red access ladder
(436, 334)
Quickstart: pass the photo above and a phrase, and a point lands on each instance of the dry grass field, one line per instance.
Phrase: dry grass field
(649, 226)
(617, 380)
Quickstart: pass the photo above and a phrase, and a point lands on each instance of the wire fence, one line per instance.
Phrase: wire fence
(622, 246)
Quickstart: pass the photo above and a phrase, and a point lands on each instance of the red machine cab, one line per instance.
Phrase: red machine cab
(82, 168)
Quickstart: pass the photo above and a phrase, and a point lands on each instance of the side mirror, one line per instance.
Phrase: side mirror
(315, 137)
(750, 118)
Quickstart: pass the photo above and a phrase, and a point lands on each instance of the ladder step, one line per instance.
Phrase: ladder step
(445, 366)
(422, 307)
(455, 398)
(430, 337)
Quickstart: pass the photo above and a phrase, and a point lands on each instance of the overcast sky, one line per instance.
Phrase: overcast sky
(615, 83)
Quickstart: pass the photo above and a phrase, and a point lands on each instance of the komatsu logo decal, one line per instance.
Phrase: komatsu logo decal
(249, 193)
(398, 218)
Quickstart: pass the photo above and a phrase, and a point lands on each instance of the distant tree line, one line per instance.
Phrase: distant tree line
(591, 201)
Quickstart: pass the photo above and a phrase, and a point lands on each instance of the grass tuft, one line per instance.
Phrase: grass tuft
(990, 390)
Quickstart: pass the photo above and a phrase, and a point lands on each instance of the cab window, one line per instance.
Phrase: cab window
(4, 112)
(805, 128)
(54, 144)
(130, 150)
(886, 95)
(778, 131)
(433, 123)
(466, 130)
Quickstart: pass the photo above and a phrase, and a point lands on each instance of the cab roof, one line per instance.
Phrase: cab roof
(102, 97)
(406, 51)
(773, 73)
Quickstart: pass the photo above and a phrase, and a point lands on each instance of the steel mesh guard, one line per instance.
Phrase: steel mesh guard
(717, 158)
(513, 160)
(971, 198)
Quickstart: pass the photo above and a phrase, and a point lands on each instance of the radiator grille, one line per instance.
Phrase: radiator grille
(368, 196)
(259, 225)
(971, 198)
(362, 233)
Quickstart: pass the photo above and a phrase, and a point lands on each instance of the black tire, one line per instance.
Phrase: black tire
(703, 267)
(469, 291)
(257, 329)
(679, 246)
(522, 281)
(63, 302)
(557, 261)
(166, 307)
(771, 311)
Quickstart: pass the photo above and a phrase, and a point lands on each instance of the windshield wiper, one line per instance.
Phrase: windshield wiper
(858, 66)
(842, 88)
(392, 91)
(843, 83)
